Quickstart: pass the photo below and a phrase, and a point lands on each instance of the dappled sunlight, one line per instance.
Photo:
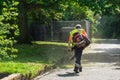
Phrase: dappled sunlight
(98, 51)
(34, 57)
(20, 67)
(105, 46)
(54, 43)
(103, 54)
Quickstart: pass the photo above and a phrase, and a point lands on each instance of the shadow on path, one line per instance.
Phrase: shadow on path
(68, 74)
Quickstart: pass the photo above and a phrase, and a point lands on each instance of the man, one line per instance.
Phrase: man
(79, 40)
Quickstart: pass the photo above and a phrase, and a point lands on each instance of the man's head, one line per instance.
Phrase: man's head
(78, 26)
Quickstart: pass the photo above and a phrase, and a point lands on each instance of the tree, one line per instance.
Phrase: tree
(73, 11)
(45, 8)
(8, 29)
(23, 23)
(46, 11)
(102, 7)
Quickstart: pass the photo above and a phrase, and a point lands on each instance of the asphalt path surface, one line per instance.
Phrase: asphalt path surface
(100, 62)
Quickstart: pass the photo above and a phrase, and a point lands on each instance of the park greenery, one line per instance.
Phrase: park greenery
(16, 17)
(33, 58)
(8, 29)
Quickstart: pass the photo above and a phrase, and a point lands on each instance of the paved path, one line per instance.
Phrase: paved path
(100, 62)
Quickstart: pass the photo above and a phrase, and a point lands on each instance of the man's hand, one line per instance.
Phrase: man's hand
(69, 49)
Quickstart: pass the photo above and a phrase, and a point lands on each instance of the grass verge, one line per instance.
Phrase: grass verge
(32, 58)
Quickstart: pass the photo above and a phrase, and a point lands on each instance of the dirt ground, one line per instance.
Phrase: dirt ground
(101, 61)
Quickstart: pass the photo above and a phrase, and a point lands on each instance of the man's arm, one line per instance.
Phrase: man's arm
(69, 47)
(69, 43)
(84, 33)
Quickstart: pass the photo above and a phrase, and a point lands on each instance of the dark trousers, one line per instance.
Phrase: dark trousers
(78, 55)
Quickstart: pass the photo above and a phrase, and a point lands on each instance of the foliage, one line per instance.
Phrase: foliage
(108, 8)
(45, 11)
(74, 11)
(59, 10)
(109, 26)
(40, 10)
(32, 58)
(102, 7)
(8, 29)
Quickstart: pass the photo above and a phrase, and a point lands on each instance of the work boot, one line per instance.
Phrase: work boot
(76, 69)
(80, 69)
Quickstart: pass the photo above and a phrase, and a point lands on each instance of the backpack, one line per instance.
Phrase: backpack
(81, 39)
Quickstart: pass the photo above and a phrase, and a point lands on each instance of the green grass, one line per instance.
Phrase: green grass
(32, 58)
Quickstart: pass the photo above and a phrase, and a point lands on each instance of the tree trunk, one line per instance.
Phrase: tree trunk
(23, 24)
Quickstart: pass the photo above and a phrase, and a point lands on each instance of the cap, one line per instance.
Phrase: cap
(78, 26)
